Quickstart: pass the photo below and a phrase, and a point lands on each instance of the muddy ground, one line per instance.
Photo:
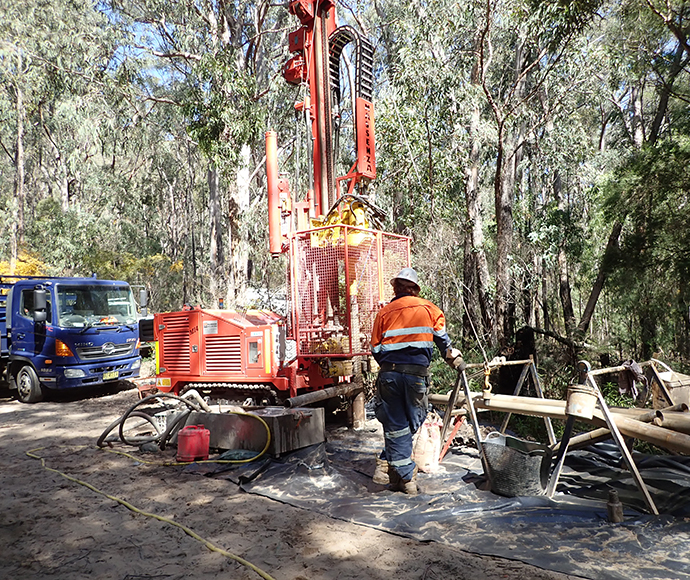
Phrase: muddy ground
(54, 527)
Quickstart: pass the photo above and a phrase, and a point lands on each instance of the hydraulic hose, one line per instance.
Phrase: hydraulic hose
(121, 421)
(136, 440)
(173, 425)
(172, 428)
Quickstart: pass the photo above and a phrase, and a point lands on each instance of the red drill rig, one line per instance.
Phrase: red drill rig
(339, 267)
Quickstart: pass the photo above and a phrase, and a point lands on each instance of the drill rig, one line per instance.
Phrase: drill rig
(339, 264)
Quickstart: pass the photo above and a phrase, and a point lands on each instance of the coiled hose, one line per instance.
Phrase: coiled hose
(173, 425)
(160, 438)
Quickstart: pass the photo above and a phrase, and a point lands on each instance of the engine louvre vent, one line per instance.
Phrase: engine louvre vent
(223, 354)
(176, 351)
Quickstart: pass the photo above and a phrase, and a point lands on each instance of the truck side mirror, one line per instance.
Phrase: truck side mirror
(40, 304)
(143, 300)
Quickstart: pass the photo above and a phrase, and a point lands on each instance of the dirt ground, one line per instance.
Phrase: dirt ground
(51, 526)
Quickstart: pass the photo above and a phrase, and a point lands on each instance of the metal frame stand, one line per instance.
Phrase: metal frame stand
(528, 368)
(587, 377)
(452, 401)
(617, 437)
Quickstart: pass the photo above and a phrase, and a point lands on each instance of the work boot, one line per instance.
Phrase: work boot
(397, 483)
(381, 472)
(409, 486)
(393, 479)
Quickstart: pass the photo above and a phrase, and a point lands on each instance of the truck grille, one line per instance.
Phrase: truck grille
(223, 354)
(108, 350)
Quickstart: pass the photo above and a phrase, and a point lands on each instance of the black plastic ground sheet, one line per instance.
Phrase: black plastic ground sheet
(569, 533)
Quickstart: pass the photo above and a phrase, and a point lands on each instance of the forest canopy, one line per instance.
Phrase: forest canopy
(537, 153)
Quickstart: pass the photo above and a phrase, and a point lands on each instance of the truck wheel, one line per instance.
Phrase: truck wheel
(29, 389)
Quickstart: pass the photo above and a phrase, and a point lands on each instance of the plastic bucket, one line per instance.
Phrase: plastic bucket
(581, 401)
(193, 443)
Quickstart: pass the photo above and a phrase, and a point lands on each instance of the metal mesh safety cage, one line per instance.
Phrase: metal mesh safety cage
(339, 279)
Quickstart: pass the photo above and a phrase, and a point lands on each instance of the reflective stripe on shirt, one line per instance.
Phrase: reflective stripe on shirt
(400, 345)
(413, 330)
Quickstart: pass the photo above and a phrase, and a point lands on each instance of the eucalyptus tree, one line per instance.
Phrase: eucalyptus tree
(631, 101)
(211, 62)
(424, 108)
(647, 193)
(480, 81)
(523, 52)
(53, 65)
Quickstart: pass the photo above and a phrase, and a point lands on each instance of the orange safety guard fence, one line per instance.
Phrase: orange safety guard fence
(339, 279)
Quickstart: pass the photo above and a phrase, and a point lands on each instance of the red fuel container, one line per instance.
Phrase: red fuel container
(192, 443)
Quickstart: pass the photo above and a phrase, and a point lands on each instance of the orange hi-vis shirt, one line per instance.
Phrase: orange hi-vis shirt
(406, 329)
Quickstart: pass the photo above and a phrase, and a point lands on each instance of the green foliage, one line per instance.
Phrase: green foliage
(562, 18)
(650, 192)
(613, 397)
(524, 426)
(127, 104)
(221, 108)
(443, 378)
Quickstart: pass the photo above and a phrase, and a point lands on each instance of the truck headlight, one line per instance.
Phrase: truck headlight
(136, 364)
(74, 373)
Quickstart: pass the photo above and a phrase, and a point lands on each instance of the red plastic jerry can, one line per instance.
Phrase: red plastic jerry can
(193, 443)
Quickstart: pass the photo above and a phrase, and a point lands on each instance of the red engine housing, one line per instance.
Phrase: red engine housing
(211, 346)
(339, 277)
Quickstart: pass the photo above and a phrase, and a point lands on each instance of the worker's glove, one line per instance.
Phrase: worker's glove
(454, 359)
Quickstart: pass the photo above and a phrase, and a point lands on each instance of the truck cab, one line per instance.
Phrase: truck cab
(64, 333)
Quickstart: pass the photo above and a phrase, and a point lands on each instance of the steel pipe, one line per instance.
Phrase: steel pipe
(659, 436)
(676, 421)
(603, 433)
(555, 409)
(586, 439)
(322, 395)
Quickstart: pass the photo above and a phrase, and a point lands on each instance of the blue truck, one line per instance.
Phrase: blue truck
(66, 333)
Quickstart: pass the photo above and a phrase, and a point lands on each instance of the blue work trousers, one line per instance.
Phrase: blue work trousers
(401, 407)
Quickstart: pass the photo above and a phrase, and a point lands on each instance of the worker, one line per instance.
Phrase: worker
(402, 341)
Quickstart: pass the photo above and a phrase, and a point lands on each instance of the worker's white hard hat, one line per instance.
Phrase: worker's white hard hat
(407, 274)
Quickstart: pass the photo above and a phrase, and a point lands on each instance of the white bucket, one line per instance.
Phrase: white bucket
(581, 401)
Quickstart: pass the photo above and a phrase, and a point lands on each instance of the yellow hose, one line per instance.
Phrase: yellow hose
(32, 453)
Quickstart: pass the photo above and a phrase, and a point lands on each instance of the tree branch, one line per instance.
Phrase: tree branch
(557, 337)
(185, 55)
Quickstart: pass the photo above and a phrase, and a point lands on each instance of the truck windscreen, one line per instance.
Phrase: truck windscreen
(83, 306)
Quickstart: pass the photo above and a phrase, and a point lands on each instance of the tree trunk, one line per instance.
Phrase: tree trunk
(563, 277)
(478, 316)
(17, 230)
(637, 121)
(503, 204)
(504, 186)
(665, 93)
(604, 267)
(217, 281)
(239, 275)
